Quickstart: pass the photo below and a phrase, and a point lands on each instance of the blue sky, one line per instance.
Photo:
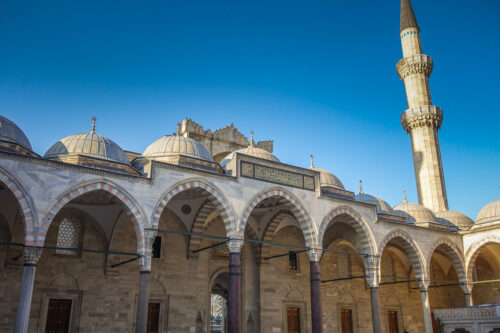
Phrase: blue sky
(316, 76)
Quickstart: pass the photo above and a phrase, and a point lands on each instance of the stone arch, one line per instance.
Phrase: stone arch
(453, 254)
(215, 196)
(27, 207)
(294, 205)
(270, 230)
(412, 250)
(131, 206)
(356, 222)
(473, 253)
(199, 221)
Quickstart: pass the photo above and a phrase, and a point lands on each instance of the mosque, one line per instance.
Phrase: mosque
(207, 231)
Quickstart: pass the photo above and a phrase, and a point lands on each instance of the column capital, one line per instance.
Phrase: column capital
(144, 262)
(32, 254)
(372, 270)
(235, 245)
(314, 254)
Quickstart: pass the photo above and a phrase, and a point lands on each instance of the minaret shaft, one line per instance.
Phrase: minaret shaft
(422, 119)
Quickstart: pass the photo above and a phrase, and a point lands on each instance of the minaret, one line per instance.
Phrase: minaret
(422, 119)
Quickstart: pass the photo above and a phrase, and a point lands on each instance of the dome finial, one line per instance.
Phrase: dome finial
(92, 130)
(361, 187)
(252, 143)
(404, 196)
(312, 161)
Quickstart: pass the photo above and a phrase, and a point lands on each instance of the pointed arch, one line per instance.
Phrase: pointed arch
(293, 204)
(356, 221)
(412, 250)
(473, 253)
(199, 221)
(454, 255)
(26, 205)
(271, 229)
(132, 208)
(215, 196)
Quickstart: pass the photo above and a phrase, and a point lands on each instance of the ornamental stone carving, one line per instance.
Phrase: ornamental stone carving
(31, 255)
(487, 311)
(420, 116)
(314, 254)
(235, 245)
(417, 64)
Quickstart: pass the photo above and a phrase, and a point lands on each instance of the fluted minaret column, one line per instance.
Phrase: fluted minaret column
(421, 120)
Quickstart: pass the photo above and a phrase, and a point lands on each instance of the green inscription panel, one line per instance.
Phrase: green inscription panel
(309, 183)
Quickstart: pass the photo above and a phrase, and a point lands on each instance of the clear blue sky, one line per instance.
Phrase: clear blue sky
(316, 76)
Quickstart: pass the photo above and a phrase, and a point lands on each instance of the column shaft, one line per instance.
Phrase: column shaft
(375, 309)
(141, 321)
(468, 299)
(426, 308)
(315, 297)
(234, 322)
(25, 295)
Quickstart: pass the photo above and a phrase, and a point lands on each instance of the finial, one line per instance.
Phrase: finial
(312, 161)
(361, 187)
(252, 143)
(92, 130)
(178, 129)
(404, 196)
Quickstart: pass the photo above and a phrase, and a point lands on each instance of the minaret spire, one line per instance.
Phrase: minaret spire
(421, 120)
(408, 19)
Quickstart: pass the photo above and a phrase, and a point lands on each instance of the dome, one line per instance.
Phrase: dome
(489, 213)
(88, 144)
(328, 179)
(455, 218)
(10, 132)
(174, 145)
(414, 212)
(251, 150)
(382, 205)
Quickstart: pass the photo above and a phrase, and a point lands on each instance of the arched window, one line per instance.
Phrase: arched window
(344, 265)
(69, 235)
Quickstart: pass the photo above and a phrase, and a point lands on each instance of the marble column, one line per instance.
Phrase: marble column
(468, 299)
(234, 301)
(141, 318)
(375, 302)
(315, 297)
(426, 308)
(31, 256)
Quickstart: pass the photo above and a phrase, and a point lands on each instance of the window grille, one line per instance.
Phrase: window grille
(344, 265)
(292, 261)
(388, 270)
(157, 247)
(474, 273)
(69, 236)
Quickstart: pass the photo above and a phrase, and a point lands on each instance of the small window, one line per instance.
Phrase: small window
(69, 236)
(344, 265)
(293, 264)
(157, 247)
(388, 270)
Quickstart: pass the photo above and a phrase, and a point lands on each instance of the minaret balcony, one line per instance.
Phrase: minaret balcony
(427, 115)
(416, 64)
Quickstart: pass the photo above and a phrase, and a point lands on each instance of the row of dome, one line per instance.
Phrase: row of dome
(95, 145)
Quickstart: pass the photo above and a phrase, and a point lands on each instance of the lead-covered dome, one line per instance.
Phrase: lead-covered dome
(170, 146)
(455, 218)
(11, 133)
(414, 212)
(251, 150)
(327, 178)
(88, 144)
(382, 205)
(489, 213)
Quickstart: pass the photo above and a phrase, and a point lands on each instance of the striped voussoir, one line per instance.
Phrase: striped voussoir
(25, 205)
(353, 219)
(130, 208)
(412, 251)
(474, 251)
(214, 196)
(270, 230)
(199, 223)
(453, 254)
(293, 205)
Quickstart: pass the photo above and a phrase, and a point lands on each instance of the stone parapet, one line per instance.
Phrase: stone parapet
(416, 64)
(427, 115)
